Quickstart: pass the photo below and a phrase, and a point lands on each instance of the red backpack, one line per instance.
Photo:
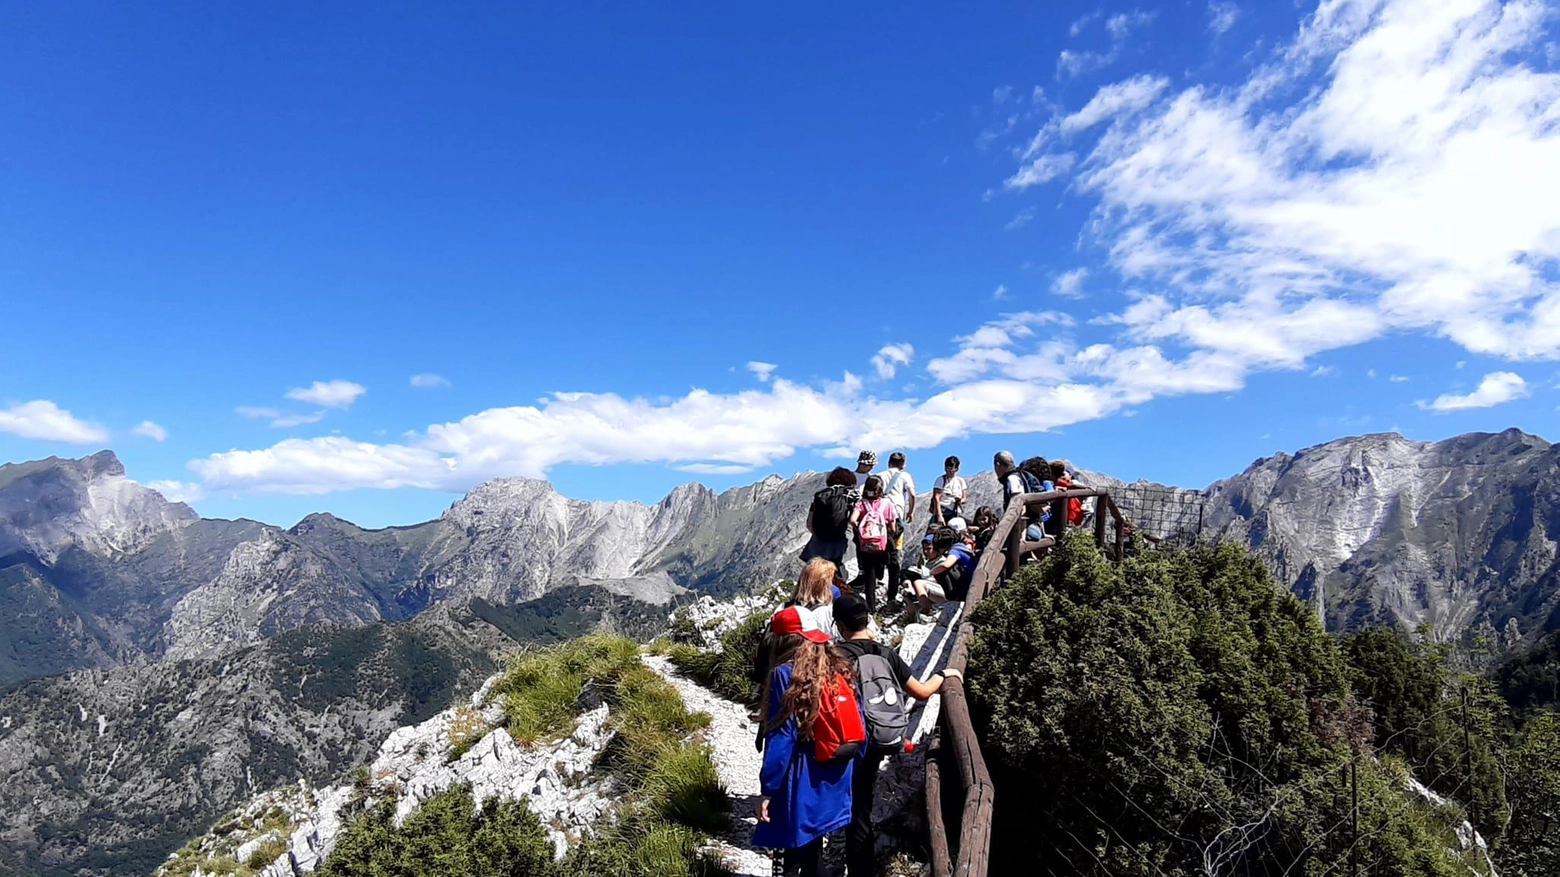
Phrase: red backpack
(839, 731)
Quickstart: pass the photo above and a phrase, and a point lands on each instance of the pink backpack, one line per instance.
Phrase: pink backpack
(873, 526)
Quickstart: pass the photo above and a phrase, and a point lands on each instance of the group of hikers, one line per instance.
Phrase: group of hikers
(873, 511)
(832, 698)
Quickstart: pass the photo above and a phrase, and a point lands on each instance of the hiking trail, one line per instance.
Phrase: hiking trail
(730, 736)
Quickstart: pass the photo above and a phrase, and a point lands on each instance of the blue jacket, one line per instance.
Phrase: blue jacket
(807, 798)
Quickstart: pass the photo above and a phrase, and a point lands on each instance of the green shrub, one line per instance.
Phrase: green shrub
(641, 848)
(683, 631)
(1136, 716)
(266, 853)
(445, 837)
(1445, 724)
(1532, 842)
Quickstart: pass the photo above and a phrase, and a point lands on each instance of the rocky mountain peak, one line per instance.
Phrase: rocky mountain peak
(49, 505)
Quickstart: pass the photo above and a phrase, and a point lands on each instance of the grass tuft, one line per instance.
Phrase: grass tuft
(466, 729)
(684, 787)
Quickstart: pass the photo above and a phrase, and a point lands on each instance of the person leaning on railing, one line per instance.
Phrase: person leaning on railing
(1015, 482)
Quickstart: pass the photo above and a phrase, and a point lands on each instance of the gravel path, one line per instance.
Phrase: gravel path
(730, 736)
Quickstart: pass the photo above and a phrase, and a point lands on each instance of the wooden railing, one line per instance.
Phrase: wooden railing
(966, 850)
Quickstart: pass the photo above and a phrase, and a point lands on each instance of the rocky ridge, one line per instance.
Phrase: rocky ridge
(290, 831)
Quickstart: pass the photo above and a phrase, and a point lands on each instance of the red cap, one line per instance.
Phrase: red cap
(792, 620)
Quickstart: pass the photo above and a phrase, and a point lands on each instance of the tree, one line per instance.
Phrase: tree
(1179, 714)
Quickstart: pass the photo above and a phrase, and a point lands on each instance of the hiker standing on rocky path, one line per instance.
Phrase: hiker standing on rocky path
(828, 518)
(806, 781)
(884, 679)
(948, 493)
(899, 487)
(877, 524)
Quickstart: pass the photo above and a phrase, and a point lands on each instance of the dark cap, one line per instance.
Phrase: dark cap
(850, 612)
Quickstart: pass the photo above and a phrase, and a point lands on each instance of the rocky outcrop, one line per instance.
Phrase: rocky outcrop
(414, 764)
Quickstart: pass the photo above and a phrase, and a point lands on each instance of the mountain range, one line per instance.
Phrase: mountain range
(157, 667)
(98, 571)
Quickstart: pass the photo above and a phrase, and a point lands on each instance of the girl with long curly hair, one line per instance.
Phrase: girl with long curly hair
(803, 798)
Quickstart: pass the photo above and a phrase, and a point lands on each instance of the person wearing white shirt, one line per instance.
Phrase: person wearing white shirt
(899, 487)
(948, 493)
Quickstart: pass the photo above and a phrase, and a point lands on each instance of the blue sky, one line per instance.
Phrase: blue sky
(627, 248)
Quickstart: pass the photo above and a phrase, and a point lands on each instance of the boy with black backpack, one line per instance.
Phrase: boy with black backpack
(828, 518)
(884, 679)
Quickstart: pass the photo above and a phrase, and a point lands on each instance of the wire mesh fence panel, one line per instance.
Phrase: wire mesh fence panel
(1157, 515)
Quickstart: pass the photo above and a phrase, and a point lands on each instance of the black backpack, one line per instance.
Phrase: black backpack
(830, 513)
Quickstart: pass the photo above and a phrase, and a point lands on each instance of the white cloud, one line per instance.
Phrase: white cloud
(151, 430)
(1070, 284)
(715, 469)
(1393, 169)
(44, 421)
(280, 419)
(328, 394)
(1000, 292)
(1041, 170)
(1398, 379)
(1222, 16)
(1080, 23)
(1020, 219)
(178, 491)
(1122, 98)
(762, 370)
(1497, 388)
(428, 380)
(1324, 371)
(1001, 93)
(291, 419)
(890, 357)
(1071, 64)
(1121, 25)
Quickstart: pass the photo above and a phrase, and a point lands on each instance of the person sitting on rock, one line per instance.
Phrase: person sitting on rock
(852, 619)
(946, 578)
(984, 527)
(803, 798)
